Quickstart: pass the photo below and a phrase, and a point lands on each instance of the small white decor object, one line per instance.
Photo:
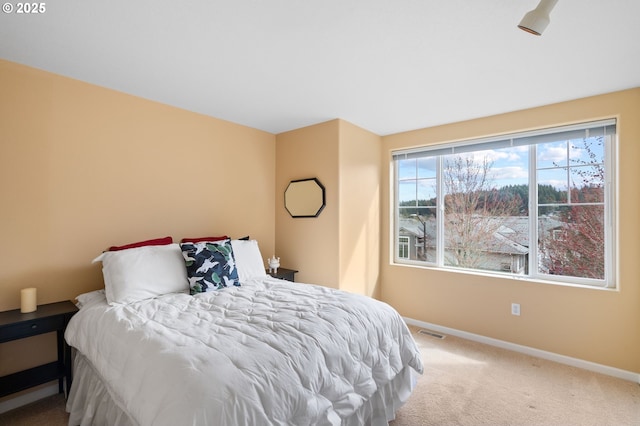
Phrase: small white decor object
(274, 264)
(28, 302)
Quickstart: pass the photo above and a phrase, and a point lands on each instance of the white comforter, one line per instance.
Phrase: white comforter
(269, 352)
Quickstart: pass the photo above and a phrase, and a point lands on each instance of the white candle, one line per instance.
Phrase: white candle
(28, 302)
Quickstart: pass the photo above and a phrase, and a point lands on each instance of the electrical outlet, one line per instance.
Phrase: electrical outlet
(515, 309)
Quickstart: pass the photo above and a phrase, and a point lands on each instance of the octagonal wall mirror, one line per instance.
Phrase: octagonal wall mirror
(304, 198)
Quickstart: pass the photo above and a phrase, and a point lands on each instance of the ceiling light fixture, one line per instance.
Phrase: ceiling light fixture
(536, 20)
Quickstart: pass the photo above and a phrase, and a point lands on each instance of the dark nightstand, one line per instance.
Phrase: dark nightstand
(48, 318)
(283, 274)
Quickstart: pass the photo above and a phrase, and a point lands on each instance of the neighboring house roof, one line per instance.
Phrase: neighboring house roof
(415, 227)
(511, 237)
(502, 244)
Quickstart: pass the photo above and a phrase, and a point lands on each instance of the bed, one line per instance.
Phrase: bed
(232, 347)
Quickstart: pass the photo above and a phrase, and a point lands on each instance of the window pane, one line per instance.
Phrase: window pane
(485, 226)
(587, 151)
(427, 192)
(406, 169)
(552, 186)
(587, 170)
(407, 193)
(590, 176)
(552, 154)
(572, 241)
(587, 194)
(426, 167)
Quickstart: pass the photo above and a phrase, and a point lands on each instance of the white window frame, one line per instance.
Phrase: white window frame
(608, 131)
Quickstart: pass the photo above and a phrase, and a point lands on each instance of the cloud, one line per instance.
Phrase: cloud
(553, 154)
(514, 154)
(511, 172)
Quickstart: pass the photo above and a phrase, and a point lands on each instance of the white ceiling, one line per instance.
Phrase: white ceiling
(387, 66)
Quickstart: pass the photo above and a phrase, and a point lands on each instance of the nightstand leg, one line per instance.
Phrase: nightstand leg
(61, 360)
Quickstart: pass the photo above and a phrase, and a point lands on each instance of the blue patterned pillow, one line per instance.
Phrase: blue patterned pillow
(210, 265)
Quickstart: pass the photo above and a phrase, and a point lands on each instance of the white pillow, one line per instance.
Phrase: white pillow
(143, 272)
(248, 259)
(86, 298)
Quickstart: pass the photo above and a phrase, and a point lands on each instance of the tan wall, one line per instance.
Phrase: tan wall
(359, 210)
(83, 168)
(309, 245)
(341, 247)
(601, 326)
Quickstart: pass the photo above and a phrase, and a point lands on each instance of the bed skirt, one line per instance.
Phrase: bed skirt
(90, 402)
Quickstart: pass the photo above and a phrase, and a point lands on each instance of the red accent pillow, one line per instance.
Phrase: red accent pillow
(199, 240)
(155, 242)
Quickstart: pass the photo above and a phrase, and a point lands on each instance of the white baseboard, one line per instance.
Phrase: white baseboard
(562, 359)
(28, 398)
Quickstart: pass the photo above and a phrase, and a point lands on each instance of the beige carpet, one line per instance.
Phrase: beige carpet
(46, 412)
(468, 383)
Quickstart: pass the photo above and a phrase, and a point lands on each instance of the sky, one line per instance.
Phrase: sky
(510, 166)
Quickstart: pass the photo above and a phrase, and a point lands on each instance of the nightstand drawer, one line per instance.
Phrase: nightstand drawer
(31, 328)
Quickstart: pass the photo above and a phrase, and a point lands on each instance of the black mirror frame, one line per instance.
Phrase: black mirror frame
(321, 186)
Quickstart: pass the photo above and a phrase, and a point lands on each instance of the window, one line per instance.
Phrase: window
(403, 247)
(534, 205)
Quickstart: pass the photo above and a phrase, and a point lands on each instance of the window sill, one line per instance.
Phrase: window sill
(502, 276)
